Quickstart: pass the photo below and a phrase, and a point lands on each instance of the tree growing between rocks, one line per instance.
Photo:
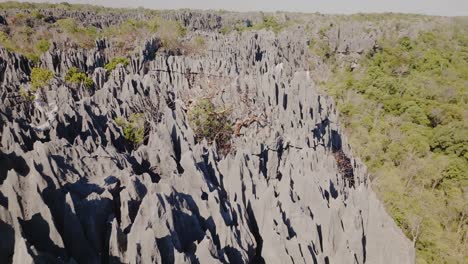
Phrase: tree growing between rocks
(77, 77)
(116, 61)
(133, 128)
(40, 78)
(211, 123)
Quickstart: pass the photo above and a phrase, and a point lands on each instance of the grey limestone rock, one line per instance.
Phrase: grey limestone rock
(79, 192)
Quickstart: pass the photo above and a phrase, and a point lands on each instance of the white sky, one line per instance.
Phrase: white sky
(432, 7)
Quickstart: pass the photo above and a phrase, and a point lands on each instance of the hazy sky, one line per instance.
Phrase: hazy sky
(433, 7)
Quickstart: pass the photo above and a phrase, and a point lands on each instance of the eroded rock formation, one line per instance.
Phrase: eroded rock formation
(79, 192)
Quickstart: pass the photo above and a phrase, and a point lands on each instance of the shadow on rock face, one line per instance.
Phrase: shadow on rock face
(82, 188)
(115, 260)
(183, 220)
(176, 143)
(7, 242)
(208, 172)
(233, 255)
(166, 247)
(3, 200)
(144, 167)
(336, 141)
(37, 233)
(12, 161)
(63, 165)
(253, 226)
(81, 235)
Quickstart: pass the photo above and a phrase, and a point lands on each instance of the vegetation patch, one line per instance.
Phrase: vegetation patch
(40, 78)
(43, 45)
(405, 110)
(133, 129)
(270, 23)
(78, 77)
(26, 94)
(123, 36)
(20, 37)
(83, 36)
(320, 47)
(344, 166)
(6, 42)
(211, 123)
(28, 30)
(267, 23)
(116, 61)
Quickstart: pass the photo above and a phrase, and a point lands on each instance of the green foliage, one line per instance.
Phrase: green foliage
(124, 37)
(23, 39)
(323, 31)
(451, 139)
(225, 30)
(170, 33)
(68, 25)
(210, 123)
(405, 112)
(320, 47)
(40, 78)
(82, 36)
(200, 41)
(76, 76)
(33, 57)
(26, 95)
(67, 6)
(32, 54)
(43, 45)
(270, 23)
(116, 61)
(37, 15)
(134, 128)
(238, 26)
(6, 42)
(267, 23)
(16, 5)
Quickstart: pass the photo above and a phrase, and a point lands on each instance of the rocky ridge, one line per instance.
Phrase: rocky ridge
(79, 192)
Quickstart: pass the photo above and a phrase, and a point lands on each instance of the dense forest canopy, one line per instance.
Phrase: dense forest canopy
(405, 110)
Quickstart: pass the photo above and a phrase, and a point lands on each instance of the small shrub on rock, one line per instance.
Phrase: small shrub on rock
(6, 42)
(270, 23)
(76, 76)
(116, 61)
(133, 129)
(210, 123)
(40, 78)
(43, 45)
(26, 95)
(37, 15)
(170, 33)
(82, 36)
(200, 42)
(68, 25)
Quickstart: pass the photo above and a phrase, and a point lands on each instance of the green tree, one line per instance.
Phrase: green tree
(405, 111)
(43, 45)
(133, 129)
(76, 76)
(40, 78)
(116, 61)
(210, 123)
